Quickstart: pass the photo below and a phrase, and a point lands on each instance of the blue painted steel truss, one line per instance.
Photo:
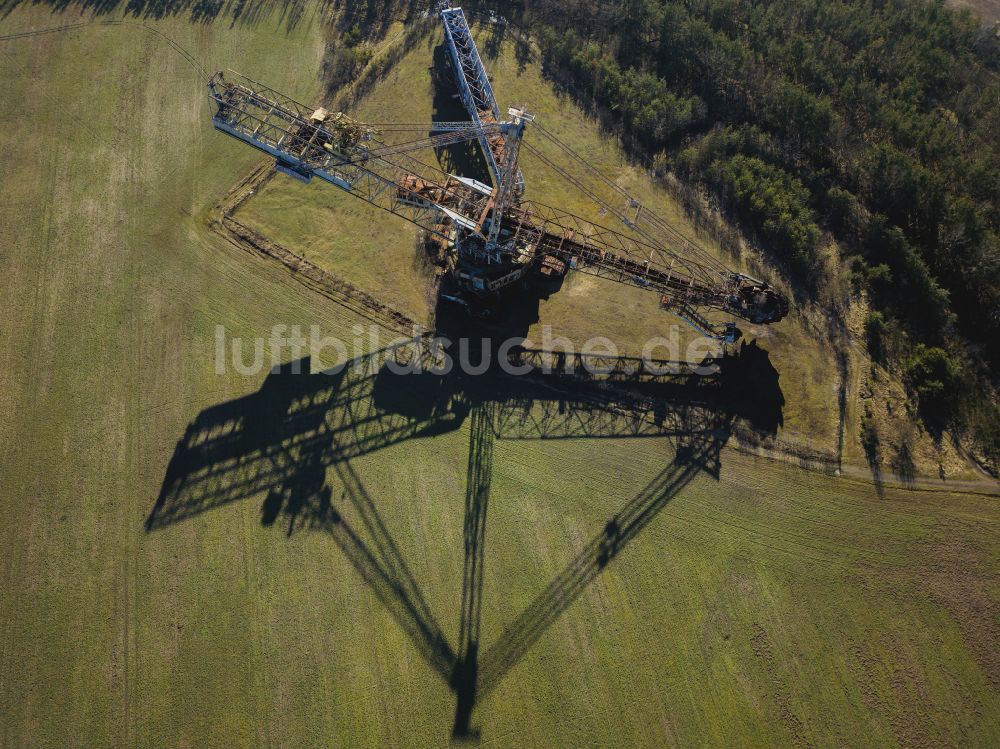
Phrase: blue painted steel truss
(475, 89)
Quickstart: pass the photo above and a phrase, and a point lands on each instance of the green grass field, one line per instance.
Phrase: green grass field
(767, 605)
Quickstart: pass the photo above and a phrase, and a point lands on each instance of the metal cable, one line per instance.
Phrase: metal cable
(658, 222)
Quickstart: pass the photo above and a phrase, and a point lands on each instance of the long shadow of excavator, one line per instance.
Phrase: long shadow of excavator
(283, 442)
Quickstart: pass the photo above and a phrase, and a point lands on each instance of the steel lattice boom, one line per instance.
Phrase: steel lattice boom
(475, 88)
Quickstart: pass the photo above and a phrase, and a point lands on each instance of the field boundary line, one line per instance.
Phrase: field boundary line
(307, 273)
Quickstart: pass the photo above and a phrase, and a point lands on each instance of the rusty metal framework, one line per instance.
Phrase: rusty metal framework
(367, 168)
(497, 238)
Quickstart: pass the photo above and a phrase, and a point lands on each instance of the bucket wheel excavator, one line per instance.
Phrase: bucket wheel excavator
(494, 239)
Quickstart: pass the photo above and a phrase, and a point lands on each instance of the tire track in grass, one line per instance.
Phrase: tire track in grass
(126, 602)
(736, 538)
(19, 536)
(46, 274)
(763, 649)
(260, 667)
(764, 530)
(84, 24)
(771, 535)
(767, 536)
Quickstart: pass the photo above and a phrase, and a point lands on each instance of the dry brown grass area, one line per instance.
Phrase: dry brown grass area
(987, 10)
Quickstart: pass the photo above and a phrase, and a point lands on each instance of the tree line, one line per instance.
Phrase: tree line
(875, 123)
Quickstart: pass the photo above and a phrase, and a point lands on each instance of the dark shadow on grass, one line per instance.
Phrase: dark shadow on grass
(902, 462)
(465, 676)
(291, 445)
